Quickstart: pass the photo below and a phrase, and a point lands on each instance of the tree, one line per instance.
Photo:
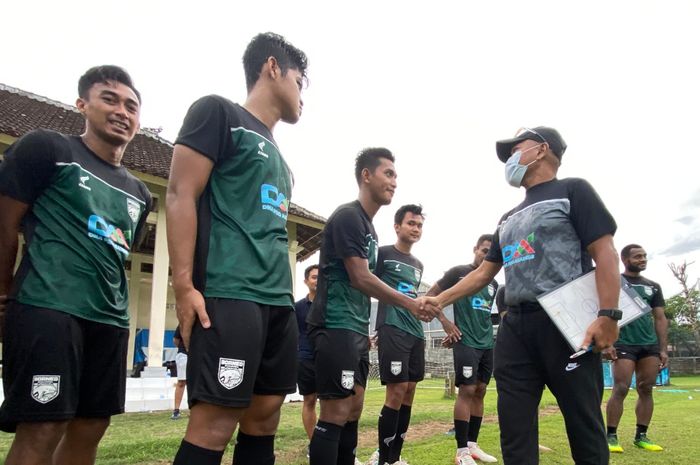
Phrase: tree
(683, 309)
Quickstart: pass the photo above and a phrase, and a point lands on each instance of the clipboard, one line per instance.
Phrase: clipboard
(574, 305)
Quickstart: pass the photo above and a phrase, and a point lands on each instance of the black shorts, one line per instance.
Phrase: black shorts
(342, 360)
(249, 349)
(306, 376)
(472, 364)
(401, 356)
(636, 353)
(58, 367)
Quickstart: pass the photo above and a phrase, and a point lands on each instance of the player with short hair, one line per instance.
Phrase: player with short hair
(67, 319)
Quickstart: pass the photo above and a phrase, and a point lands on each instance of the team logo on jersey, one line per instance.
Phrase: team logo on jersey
(134, 209)
(395, 368)
(648, 290)
(45, 388)
(491, 290)
(261, 148)
(274, 201)
(83, 180)
(231, 372)
(467, 372)
(100, 229)
(347, 379)
(519, 252)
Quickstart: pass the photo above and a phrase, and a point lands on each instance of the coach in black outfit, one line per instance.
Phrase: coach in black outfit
(545, 241)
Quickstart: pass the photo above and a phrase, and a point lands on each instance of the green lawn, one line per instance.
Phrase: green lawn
(153, 438)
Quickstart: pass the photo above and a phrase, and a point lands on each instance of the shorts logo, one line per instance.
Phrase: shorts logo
(395, 368)
(347, 379)
(134, 209)
(467, 372)
(231, 372)
(45, 388)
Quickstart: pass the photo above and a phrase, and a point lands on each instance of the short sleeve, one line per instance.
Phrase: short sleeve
(449, 279)
(658, 299)
(589, 216)
(379, 269)
(29, 165)
(206, 127)
(495, 255)
(349, 236)
(141, 227)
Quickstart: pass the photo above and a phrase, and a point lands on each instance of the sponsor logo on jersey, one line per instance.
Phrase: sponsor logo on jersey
(274, 201)
(100, 229)
(467, 372)
(347, 379)
(478, 303)
(407, 288)
(519, 252)
(231, 372)
(134, 209)
(45, 388)
(83, 180)
(261, 150)
(395, 368)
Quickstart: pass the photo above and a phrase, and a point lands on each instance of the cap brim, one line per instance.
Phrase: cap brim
(504, 147)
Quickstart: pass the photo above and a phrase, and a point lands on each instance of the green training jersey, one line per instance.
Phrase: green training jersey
(241, 250)
(348, 233)
(84, 219)
(642, 331)
(402, 272)
(472, 313)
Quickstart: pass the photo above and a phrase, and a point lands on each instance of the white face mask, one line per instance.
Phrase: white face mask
(515, 172)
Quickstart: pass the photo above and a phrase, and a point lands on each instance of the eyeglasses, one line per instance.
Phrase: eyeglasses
(522, 131)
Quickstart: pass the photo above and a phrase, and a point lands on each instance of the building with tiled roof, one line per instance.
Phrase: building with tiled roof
(148, 157)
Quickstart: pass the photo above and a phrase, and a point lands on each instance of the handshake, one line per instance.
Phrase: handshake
(426, 308)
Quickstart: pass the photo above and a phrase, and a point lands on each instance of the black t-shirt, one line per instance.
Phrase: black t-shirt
(241, 250)
(348, 233)
(301, 309)
(542, 242)
(86, 216)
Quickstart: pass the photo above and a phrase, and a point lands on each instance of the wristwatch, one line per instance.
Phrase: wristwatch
(613, 313)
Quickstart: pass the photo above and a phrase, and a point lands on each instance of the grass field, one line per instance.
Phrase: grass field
(152, 438)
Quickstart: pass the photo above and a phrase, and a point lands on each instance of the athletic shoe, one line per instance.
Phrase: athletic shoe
(400, 461)
(374, 458)
(480, 455)
(464, 458)
(175, 415)
(643, 442)
(614, 444)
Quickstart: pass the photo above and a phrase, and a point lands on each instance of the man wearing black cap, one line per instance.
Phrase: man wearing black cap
(547, 240)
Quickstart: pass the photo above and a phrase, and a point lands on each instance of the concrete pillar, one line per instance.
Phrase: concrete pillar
(134, 295)
(159, 295)
(294, 249)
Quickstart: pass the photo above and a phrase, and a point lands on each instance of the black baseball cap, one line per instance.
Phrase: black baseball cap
(539, 134)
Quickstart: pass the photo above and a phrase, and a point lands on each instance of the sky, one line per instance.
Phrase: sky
(435, 82)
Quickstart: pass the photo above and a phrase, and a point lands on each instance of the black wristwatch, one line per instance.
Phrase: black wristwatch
(613, 313)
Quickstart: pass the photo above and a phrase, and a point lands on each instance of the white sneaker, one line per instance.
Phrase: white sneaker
(479, 454)
(357, 461)
(373, 459)
(400, 462)
(464, 458)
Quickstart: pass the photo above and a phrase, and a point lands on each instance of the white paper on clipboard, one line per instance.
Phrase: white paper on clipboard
(573, 306)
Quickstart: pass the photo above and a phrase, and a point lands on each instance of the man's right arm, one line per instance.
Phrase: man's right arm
(189, 174)
(367, 283)
(11, 213)
(469, 285)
